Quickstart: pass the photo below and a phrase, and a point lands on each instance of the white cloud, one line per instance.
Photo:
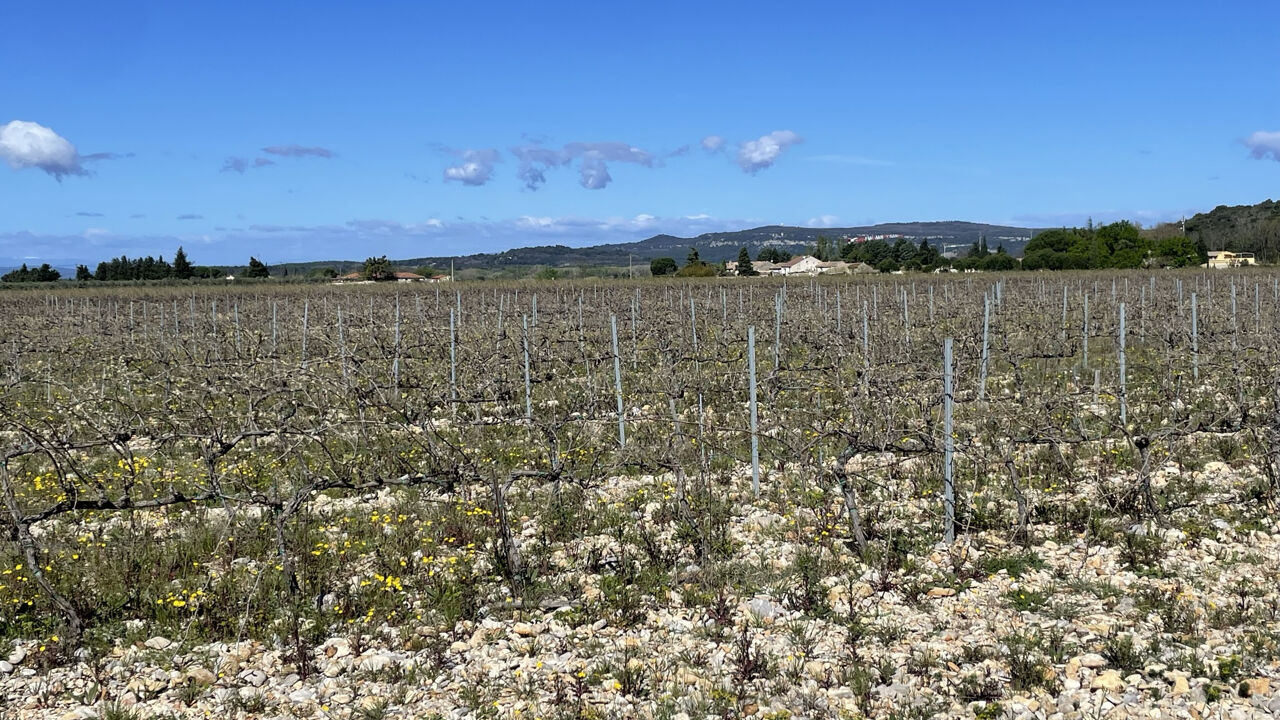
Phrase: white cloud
(31, 145)
(822, 221)
(756, 155)
(712, 143)
(1263, 143)
(593, 174)
(471, 173)
(593, 161)
(475, 169)
(529, 222)
(535, 160)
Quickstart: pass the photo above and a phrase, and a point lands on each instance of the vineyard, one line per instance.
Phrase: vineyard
(973, 495)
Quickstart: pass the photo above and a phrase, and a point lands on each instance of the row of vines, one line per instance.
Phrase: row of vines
(182, 455)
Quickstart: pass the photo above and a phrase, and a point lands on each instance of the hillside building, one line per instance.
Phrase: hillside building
(1221, 259)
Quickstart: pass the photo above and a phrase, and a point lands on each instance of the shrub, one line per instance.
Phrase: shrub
(1121, 652)
(1027, 666)
(663, 266)
(1015, 564)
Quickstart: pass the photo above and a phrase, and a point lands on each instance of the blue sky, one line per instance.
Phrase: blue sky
(325, 130)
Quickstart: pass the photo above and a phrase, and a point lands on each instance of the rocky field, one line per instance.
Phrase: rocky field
(1088, 616)
(541, 500)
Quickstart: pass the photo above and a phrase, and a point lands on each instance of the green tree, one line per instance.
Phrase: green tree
(323, 272)
(825, 249)
(83, 274)
(44, 273)
(744, 263)
(22, 274)
(1128, 258)
(998, 261)
(257, 269)
(377, 268)
(1119, 244)
(871, 252)
(694, 267)
(181, 265)
(124, 268)
(662, 266)
(773, 255)
(1123, 237)
(903, 251)
(927, 254)
(1056, 240)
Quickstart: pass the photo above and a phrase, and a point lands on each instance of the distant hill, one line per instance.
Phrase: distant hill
(1243, 228)
(717, 246)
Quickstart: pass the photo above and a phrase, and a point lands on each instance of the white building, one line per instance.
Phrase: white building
(1227, 259)
(801, 265)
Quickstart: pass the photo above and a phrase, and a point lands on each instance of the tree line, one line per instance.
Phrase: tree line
(1116, 245)
(876, 253)
(44, 273)
(149, 268)
(125, 268)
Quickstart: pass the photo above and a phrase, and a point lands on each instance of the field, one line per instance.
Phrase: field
(742, 498)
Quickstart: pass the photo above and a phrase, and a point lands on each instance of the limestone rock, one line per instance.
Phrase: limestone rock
(375, 663)
(1255, 686)
(526, 629)
(1109, 681)
(1092, 661)
(158, 642)
(201, 676)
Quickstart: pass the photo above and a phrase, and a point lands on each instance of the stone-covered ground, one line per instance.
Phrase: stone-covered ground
(1096, 612)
